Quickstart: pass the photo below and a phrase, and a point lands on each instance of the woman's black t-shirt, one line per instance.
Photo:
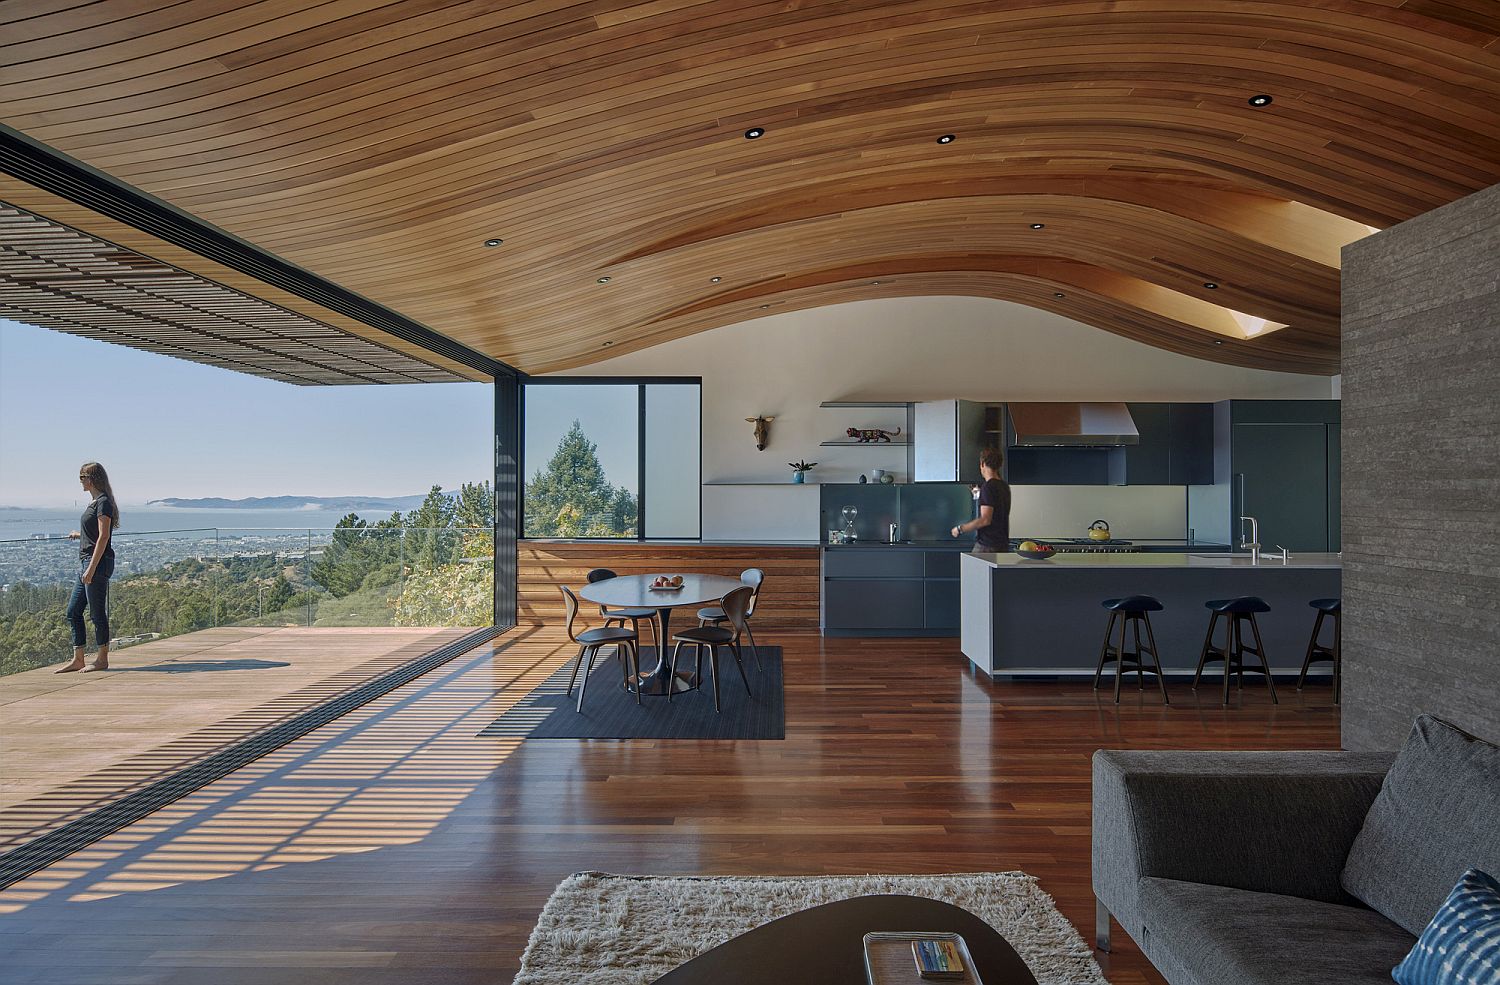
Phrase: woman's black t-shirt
(995, 493)
(88, 527)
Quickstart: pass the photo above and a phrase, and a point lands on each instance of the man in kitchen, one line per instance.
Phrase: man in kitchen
(992, 526)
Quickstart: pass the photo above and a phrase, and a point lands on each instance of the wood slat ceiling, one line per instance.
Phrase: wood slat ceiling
(379, 144)
(59, 278)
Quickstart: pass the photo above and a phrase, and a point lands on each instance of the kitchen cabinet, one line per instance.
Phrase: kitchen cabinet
(1176, 447)
(1278, 461)
(948, 436)
(898, 590)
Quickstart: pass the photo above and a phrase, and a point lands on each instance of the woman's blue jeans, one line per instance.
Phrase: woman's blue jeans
(94, 596)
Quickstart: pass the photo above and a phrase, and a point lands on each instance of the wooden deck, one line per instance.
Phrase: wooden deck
(396, 846)
(75, 741)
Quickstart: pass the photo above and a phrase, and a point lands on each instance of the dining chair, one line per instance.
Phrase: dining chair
(736, 608)
(590, 640)
(622, 616)
(713, 615)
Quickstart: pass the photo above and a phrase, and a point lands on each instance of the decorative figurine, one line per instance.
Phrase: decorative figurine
(867, 435)
(862, 479)
(762, 430)
(800, 469)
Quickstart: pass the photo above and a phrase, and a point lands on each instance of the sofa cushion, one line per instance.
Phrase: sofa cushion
(1433, 819)
(1216, 935)
(1462, 944)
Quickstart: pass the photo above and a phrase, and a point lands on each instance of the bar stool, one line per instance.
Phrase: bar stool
(1327, 608)
(1240, 611)
(1131, 611)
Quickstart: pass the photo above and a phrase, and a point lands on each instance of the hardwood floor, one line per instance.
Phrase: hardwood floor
(395, 846)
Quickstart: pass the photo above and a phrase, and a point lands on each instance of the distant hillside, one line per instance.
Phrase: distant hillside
(296, 503)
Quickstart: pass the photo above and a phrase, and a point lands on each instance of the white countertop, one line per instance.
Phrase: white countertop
(1154, 560)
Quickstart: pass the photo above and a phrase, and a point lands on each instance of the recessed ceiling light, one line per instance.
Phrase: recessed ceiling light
(714, 280)
(1260, 100)
(1059, 294)
(493, 242)
(1218, 341)
(608, 344)
(947, 138)
(764, 307)
(874, 283)
(604, 280)
(1211, 285)
(754, 132)
(1038, 225)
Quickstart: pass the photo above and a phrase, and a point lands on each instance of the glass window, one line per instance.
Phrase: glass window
(673, 452)
(601, 456)
(582, 454)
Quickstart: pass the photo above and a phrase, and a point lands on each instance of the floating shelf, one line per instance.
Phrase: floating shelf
(863, 444)
(865, 403)
(786, 482)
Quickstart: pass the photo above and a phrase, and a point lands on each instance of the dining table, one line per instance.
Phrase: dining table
(635, 592)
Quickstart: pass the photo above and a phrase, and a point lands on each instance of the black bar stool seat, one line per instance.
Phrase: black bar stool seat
(1131, 612)
(1327, 609)
(1238, 612)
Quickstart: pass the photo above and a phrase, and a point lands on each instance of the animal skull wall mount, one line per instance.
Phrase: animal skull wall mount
(762, 430)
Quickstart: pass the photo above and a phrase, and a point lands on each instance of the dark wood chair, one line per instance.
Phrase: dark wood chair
(736, 606)
(622, 616)
(590, 640)
(713, 615)
(1239, 611)
(1327, 609)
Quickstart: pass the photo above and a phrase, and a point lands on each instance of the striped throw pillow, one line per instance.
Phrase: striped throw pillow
(1461, 946)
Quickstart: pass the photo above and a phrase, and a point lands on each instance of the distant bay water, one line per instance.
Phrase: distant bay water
(21, 523)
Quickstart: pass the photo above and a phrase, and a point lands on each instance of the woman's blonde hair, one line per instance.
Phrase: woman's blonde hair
(99, 479)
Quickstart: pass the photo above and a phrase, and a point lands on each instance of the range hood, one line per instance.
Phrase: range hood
(1072, 425)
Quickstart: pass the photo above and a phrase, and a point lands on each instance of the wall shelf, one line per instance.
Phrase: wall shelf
(865, 403)
(787, 482)
(863, 444)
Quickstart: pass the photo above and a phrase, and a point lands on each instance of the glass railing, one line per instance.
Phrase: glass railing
(170, 582)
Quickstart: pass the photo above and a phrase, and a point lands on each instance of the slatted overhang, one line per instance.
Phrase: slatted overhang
(55, 277)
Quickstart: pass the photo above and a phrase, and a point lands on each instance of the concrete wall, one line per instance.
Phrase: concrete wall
(910, 349)
(1421, 474)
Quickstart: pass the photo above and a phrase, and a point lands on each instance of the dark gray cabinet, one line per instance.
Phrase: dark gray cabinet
(1280, 459)
(897, 591)
(1191, 438)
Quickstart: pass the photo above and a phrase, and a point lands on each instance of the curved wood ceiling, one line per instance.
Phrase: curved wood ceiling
(379, 144)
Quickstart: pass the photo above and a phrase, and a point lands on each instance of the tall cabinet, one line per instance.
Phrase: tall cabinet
(1278, 461)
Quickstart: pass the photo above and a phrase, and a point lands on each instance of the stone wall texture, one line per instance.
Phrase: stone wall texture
(1421, 474)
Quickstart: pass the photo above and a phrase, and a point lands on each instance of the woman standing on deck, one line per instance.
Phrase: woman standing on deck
(97, 559)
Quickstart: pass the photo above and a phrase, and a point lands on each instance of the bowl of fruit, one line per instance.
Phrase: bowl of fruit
(667, 583)
(1035, 551)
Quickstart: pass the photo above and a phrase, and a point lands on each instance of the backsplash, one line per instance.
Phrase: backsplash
(1133, 512)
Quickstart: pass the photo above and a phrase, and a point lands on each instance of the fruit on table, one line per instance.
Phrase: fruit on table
(667, 581)
(1027, 545)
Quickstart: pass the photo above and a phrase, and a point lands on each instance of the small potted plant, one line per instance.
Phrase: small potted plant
(800, 470)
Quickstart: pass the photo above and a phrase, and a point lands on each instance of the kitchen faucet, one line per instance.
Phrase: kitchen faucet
(1253, 544)
(892, 538)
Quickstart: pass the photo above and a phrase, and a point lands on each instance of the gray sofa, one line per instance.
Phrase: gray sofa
(1240, 867)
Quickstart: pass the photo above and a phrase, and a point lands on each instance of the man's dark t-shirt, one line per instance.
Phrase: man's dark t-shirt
(88, 528)
(995, 493)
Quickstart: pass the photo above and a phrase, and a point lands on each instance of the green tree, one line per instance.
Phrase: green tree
(572, 498)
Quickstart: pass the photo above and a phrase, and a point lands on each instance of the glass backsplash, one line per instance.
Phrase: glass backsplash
(922, 511)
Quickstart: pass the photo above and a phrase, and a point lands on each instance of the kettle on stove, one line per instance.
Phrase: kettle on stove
(1098, 530)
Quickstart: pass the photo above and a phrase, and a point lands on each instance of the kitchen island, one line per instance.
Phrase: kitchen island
(1024, 617)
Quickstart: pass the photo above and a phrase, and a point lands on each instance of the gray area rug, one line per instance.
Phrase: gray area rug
(589, 930)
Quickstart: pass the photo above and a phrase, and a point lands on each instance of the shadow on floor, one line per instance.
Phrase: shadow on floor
(195, 666)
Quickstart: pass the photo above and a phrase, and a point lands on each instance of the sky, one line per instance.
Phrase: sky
(166, 427)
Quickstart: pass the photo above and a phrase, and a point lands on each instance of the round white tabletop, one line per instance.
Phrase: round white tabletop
(634, 592)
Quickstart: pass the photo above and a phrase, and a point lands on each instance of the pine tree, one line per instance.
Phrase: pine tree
(572, 498)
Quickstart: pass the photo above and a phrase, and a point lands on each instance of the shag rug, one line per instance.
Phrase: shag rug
(589, 930)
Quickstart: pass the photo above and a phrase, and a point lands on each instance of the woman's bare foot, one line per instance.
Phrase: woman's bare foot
(77, 664)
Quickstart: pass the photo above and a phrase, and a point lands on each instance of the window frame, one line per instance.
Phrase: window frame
(640, 383)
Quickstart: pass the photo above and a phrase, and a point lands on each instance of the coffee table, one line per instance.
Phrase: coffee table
(635, 592)
(825, 945)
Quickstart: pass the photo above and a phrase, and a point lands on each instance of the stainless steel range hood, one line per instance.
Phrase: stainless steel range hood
(1065, 425)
